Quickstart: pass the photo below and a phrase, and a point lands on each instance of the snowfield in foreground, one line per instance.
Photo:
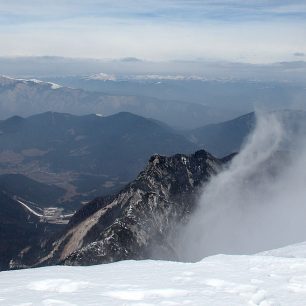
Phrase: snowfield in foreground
(222, 280)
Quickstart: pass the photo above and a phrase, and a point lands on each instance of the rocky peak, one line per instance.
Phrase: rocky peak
(179, 173)
(140, 221)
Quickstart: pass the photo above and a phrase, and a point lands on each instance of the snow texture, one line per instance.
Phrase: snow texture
(221, 280)
(297, 250)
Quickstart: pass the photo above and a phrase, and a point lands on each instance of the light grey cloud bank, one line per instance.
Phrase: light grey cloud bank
(247, 31)
(259, 202)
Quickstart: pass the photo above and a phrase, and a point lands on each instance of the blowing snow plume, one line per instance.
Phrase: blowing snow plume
(259, 201)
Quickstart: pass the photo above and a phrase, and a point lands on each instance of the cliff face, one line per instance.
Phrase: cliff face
(140, 221)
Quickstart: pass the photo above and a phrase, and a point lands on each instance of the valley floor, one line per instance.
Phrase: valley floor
(222, 280)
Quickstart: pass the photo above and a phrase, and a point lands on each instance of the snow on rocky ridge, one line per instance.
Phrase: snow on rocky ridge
(151, 77)
(222, 280)
(33, 81)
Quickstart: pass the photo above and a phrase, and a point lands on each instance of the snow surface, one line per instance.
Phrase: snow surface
(222, 280)
(292, 251)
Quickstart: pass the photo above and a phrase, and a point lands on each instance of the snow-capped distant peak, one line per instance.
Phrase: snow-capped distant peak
(102, 77)
(144, 77)
(168, 77)
(31, 80)
(52, 85)
(162, 77)
(156, 78)
(36, 81)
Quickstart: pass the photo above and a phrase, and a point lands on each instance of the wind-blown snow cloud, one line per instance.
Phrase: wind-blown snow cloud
(259, 202)
(235, 30)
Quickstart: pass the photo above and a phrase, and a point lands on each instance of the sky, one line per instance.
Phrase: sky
(252, 31)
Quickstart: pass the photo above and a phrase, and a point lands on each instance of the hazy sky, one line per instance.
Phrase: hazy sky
(253, 31)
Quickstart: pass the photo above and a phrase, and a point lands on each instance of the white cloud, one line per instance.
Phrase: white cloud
(258, 203)
(157, 30)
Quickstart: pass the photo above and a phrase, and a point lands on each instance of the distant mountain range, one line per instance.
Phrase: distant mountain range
(227, 137)
(181, 102)
(85, 156)
(229, 98)
(73, 159)
(27, 97)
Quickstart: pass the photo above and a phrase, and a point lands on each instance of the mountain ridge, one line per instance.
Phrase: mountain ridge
(227, 137)
(86, 155)
(137, 222)
(26, 97)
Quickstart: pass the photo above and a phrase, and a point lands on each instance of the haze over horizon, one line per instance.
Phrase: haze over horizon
(234, 30)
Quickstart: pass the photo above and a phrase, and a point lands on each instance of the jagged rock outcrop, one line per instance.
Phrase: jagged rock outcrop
(140, 221)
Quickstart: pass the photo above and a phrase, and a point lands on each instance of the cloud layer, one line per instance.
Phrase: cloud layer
(248, 31)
